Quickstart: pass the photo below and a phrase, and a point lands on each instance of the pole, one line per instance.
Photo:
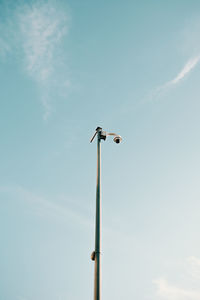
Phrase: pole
(96, 255)
(97, 270)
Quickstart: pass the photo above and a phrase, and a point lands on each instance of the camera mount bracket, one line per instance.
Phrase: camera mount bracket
(103, 134)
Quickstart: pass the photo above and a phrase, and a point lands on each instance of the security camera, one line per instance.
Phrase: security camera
(102, 135)
(117, 139)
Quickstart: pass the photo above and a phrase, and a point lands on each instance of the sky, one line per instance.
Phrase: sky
(131, 67)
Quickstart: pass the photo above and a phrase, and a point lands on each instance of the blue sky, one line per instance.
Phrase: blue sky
(130, 67)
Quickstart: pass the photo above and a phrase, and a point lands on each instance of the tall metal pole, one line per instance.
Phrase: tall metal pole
(97, 270)
(96, 255)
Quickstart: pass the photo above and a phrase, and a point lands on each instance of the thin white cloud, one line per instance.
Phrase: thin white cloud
(4, 47)
(174, 291)
(194, 263)
(189, 66)
(42, 27)
(34, 33)
(59, 209)
(44, 207)
(168, 291)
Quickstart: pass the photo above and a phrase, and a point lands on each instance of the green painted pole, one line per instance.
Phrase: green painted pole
(97, 268)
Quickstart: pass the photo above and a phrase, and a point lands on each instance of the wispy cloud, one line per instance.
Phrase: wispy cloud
(42, 27)
(173, 291)
(37, 32)
(46, 208)
(59, 209)
(194, 263)
(191, 63)
(4, 47)
(188, 67)
(190, 46)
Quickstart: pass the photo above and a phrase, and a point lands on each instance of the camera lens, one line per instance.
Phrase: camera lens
(117, 139)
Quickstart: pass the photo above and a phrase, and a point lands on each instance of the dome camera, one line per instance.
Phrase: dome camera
(117, 139)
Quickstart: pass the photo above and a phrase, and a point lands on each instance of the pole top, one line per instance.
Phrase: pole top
(103, 134)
